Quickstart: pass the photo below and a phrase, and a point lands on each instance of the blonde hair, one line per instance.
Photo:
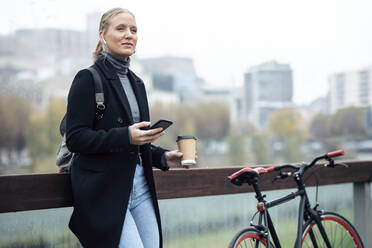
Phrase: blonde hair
(103, 26)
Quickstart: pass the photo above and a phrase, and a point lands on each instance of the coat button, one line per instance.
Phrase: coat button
(120, 120)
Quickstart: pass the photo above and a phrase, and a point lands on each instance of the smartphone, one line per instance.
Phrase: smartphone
(161, 123)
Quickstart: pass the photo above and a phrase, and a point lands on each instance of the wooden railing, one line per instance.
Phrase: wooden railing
(41, 191)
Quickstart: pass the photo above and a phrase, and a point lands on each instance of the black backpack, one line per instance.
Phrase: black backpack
(64, 156)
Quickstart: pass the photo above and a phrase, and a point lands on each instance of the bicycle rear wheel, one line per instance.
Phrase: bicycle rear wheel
(249, 238)
(340, 233)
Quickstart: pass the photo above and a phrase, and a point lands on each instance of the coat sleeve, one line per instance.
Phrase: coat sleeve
(158, 157)
(81, 111)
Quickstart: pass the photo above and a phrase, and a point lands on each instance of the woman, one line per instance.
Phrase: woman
(115, 203)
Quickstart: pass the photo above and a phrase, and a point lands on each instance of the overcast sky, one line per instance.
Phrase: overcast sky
(316, 37)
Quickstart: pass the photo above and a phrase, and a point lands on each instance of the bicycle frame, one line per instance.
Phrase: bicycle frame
(306, 214)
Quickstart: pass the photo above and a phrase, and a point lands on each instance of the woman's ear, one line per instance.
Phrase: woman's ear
(102, 39)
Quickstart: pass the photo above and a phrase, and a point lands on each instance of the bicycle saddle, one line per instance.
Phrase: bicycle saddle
(245, 175)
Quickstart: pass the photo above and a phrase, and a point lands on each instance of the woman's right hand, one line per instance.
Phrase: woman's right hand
(141, 137)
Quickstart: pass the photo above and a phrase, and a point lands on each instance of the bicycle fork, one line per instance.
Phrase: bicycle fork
(316, 217)
(309, 215)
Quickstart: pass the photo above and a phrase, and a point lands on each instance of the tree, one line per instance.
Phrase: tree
(236, 149)
(14, 116)
(212, 121)
(243, 127)
(320, 126)
(349, 122)
(208, 122)
(5, 127)
(285, 123)
(205, 121)
(43, 137)
(173, 113)
(260, 148)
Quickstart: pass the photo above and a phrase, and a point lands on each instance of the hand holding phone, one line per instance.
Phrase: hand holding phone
(161, 123)
(140, 133)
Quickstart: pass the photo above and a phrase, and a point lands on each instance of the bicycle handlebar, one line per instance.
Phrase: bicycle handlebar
(303, 167)
(300, 169)
(336, 153)
(285, 166)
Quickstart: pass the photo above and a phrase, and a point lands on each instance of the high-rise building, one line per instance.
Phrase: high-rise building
(267, 87)
(350, 89)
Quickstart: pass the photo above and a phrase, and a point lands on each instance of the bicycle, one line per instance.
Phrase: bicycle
(315, 228)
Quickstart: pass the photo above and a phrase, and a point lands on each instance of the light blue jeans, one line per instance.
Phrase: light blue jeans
(140, 229)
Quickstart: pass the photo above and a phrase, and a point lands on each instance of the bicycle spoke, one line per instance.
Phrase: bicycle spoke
(339, 232)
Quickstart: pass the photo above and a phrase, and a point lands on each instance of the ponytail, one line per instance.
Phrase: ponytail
(98, 51)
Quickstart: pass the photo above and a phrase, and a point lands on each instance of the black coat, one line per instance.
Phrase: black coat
(103, 168)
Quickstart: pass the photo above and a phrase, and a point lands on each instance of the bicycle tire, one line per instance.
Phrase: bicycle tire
(340, 232)
(248, 238)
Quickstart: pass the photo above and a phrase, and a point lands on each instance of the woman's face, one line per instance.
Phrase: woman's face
(121, 35)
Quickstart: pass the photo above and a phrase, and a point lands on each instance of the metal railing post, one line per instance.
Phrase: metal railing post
(362, 211)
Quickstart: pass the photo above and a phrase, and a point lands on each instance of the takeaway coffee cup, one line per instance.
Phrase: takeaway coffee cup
(187, 145)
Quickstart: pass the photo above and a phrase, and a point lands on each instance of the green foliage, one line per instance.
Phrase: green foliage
(236, 149)
(291, 151)
(243, 127)
(345, 122)
(320, 126)
(206, 121)
(285, 123)
(333, 130)
(349, 122)
(212, 121)
(260, 148)
(14, 116)
(43, 137)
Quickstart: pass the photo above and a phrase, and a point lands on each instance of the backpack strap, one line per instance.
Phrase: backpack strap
(100, 98)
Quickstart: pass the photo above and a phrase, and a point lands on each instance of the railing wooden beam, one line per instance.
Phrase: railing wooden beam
(204, 182)
(34, 191)
(41, 191)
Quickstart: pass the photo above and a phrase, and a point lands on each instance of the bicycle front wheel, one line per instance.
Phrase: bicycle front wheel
(340, 233)
(249, 238)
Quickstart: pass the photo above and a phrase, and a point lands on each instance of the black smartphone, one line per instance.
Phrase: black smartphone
(161, 123)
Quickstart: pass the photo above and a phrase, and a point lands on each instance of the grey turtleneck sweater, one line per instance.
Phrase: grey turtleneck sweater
(121, 66)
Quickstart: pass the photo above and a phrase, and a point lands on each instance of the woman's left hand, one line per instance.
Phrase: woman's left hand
(174, 159)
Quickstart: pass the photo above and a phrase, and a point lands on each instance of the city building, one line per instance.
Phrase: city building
(173, 74)
(237, 112)
(267, 87)
(155, 95)
(212, 94)
(47, 41)
(350, 89)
